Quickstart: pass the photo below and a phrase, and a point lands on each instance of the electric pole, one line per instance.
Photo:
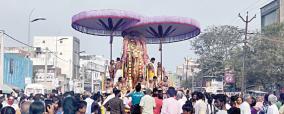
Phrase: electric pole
(186, 69)
(247, 21)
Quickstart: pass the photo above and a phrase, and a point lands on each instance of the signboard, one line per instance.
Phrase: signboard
(217, 84)
(229, 76)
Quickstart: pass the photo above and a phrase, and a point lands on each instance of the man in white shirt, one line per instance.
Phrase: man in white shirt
(181, 100)
(147, 103)
(272, 109)
(89, 102)
(200, 105)
(170, 105)
(245, 106)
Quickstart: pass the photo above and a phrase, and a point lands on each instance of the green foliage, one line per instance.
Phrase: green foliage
(266, 63)
(222, 47)
(215, 47)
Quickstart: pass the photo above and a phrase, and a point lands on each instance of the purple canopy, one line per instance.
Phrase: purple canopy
(166, 29)
(104, 22)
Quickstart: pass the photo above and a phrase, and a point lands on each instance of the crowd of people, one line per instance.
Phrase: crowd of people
(142, 101)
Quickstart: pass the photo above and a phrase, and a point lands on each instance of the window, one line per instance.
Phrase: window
(61, 41)
(43, 41)
(270, 18)
(60, 53)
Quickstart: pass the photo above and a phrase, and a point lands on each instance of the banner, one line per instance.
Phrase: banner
(229, 77)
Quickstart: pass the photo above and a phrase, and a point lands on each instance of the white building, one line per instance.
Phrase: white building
(61, 53)
(189, 67)
(187, 70)
(93, 71)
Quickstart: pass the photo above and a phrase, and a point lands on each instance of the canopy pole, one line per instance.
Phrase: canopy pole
(110, 42)
(161, 58)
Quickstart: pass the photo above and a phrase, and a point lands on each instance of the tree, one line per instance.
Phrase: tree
(221, 47)
(217, 48)
(266, 62)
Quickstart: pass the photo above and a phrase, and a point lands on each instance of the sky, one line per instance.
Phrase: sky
(14, 16)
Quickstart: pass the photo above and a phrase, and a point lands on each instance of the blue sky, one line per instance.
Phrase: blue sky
(15, 13)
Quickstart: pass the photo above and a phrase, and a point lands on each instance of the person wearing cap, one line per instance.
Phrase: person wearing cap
(272, 109)
(147, 103)
(115, 104)
(170, 105)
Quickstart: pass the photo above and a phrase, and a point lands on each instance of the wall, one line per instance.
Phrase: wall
(16, 68)
(282, 11)
(66, 48)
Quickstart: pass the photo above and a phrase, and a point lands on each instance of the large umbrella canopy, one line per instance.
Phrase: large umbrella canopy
(166, 29)
(104, 22)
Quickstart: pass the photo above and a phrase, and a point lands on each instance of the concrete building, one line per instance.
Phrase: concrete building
(61, 56)
(187, 70)
(272, 13)
(174, 79)
(17, 70)
(93, 71)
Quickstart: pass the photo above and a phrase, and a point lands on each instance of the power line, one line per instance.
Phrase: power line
(9, 36)
(18, 40)
(249, 8)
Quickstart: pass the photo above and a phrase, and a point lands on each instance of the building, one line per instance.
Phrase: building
(17, 70)
(187, 70)
(56, 60)
(272, 13)
(93, 71)
(174, 79)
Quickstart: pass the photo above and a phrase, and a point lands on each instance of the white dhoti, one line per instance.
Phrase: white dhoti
(119, 73)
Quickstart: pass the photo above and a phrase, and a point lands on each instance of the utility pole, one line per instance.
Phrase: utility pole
(247, 21)
(186, 69)
(45, 64)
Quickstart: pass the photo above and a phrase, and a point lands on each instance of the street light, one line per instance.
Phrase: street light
(37, 19)
(31, 21)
